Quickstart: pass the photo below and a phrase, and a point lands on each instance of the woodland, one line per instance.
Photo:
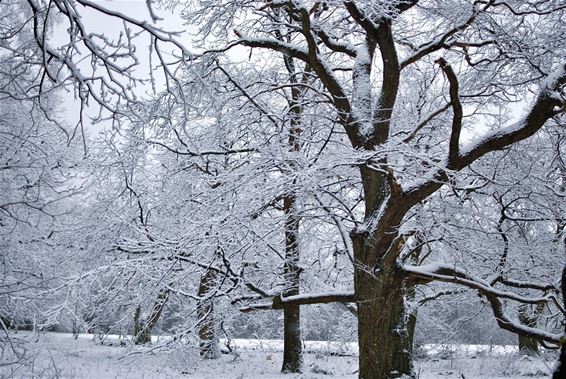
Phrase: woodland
(381, 172)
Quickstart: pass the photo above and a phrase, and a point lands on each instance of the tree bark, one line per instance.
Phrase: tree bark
(206, 326)
(383, 336)
(292, 348)
(382, 329)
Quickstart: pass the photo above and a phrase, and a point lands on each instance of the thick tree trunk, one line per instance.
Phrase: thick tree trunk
(206, 327)
(383, 336)
(292, 348)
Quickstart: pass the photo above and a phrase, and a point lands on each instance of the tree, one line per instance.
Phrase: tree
(404, 119)
(393, 127)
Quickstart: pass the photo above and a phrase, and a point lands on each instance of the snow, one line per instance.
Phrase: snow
(362, 108)
(507, 130)
(315, 296)
(60, 355)
(551, 81)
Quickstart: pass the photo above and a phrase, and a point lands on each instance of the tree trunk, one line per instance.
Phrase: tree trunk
(142, 334)
(560, 372)
(143, 327)
(292, 344)
(412, 319)
(528, 345)
(293, 348)
(413, 305)
(383, 336)
(207, 329)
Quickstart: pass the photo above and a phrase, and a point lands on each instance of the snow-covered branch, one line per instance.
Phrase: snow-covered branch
(451, 274)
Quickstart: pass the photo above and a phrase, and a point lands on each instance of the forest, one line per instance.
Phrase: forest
(381, 178)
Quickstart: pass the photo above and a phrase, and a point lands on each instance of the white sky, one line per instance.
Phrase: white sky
(111, 27)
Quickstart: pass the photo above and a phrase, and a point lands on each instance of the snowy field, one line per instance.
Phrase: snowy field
(61, 356)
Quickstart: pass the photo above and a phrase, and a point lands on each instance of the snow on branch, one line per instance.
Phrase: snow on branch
(279, 302)
(450, 274)
(550, 102)
(289, 49)
(158, 33)
(444, 41)
(525, 285)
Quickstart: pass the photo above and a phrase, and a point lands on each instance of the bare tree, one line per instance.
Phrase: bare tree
(421, 90)
(406, 35)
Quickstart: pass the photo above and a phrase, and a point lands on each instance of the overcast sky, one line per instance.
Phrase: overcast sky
(111, 28)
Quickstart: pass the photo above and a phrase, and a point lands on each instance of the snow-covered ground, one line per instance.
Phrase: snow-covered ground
(54, 355)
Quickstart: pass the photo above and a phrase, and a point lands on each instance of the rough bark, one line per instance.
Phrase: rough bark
(383, 336)
(382, 327)
(206, 327)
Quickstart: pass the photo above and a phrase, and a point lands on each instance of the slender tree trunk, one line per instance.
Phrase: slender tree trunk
(143, 327)
(412, 319)
(141, 334)
(293, 348)
(413, 306)
(292, 343)
(206, 327)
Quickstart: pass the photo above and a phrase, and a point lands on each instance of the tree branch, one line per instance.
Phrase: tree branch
(443, 273)
(454, 146)
(279, 302)
(549, 103)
